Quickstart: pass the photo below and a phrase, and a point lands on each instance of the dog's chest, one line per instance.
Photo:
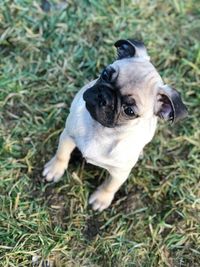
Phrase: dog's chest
(107, 150)
(96, 149)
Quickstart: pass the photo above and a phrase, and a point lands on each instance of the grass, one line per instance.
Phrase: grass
(45, 58)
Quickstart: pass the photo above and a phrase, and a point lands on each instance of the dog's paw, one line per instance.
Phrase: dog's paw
(54, 170)
(101, 199)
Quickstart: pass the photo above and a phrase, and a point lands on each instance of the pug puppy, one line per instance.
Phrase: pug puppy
(113, 117)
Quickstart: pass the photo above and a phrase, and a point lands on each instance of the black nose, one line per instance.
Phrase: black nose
(102, 100)
(89, 97)
(97, 97)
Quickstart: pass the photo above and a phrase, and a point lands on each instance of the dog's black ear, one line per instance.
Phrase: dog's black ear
(169, 105)
(131, 48)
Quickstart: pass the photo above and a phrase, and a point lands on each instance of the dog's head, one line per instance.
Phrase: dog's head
(131, 89)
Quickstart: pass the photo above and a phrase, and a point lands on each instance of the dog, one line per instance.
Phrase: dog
(112, 119)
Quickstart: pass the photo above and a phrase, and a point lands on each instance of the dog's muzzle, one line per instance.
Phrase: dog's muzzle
(102, 104)
(99, 97)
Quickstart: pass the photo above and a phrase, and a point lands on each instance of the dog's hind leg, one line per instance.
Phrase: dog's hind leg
(55, 168)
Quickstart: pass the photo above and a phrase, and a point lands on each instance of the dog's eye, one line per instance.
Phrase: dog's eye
(107, 73)
(129, 111)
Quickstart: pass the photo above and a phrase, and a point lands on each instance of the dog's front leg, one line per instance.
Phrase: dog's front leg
(54, 169)
(104, 194)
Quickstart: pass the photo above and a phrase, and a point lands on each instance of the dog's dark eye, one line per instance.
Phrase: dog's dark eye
(107, 73)
(129, 111)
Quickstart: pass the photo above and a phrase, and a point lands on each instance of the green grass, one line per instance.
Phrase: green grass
(45, 58)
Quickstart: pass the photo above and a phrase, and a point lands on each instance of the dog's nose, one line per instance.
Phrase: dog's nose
(102, 100)
(89, 97)
(98, 96)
